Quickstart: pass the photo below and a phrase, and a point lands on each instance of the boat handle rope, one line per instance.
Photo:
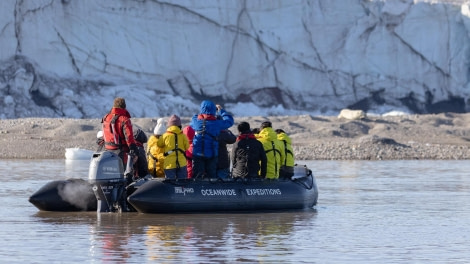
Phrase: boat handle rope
(309, 186)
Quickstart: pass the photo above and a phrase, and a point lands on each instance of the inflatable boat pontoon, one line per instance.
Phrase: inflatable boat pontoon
(107, 191)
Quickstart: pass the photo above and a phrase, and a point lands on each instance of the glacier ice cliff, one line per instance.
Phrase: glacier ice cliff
(68, 58)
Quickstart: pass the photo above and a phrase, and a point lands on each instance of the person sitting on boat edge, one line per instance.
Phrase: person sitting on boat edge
(140, 165)
(189, 132)
(117, 131)
(155, 156)
(287, 165)
(248, 156)
(205, 142)
(223, 161)
(175, 144)
(273, 148)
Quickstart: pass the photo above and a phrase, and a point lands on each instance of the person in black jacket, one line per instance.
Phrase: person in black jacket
(248, 156)
(140, 165)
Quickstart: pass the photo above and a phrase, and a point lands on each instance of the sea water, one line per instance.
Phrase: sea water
(367, 212)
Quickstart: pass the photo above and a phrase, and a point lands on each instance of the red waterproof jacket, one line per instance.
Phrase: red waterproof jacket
(189, 132)
(117, 130)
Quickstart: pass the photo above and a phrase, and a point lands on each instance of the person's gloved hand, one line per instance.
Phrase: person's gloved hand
(133, 151)
(99, 141)
(129, 179)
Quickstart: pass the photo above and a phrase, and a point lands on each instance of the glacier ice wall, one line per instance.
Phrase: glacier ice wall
(71, 58)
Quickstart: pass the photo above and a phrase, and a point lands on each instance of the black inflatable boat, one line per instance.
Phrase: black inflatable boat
(65, 196)
(106, 191)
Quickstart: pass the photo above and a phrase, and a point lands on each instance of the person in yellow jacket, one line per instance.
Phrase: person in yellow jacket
(154, 153)
(174, 144)
(287, 164)
(273, 148)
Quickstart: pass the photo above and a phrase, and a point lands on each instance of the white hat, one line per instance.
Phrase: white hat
(99, 134)
(160, 128)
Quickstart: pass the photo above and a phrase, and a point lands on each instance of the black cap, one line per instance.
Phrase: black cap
(266, 124)
(244, 127)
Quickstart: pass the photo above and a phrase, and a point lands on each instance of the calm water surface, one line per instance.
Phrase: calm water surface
(368, 212)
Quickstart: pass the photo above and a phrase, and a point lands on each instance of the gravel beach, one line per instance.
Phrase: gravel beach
(443, 136)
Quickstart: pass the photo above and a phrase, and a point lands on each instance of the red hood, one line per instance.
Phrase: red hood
(207, 117)
(244, 136)
(120, 111)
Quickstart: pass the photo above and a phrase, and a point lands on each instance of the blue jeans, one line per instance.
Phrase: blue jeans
(204, 167)
(181, 173)
(223, 173)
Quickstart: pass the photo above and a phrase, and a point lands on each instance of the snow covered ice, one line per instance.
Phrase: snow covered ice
(71, 58)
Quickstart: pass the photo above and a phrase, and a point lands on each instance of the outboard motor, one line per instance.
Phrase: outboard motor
(304, 176)
(106, 174)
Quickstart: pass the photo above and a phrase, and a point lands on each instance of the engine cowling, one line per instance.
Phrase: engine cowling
(106, 174)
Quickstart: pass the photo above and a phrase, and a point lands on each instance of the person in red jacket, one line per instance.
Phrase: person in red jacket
(117, 131)
(189, 132)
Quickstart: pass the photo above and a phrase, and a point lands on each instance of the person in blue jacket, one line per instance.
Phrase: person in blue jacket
(205, 141)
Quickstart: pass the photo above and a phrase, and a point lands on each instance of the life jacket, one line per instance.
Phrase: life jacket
(154, 161)
(275, 150)
(154, 165)
(117, 130)
(202, 135)
(154, 157)
(111, 135)
(287, 151)
(247, 151)
(175, 150)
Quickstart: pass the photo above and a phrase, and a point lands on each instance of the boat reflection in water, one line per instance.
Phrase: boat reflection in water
(215, 236)
(191, 237)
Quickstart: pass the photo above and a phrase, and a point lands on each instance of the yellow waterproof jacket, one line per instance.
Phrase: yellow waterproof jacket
(274, 151)
(173, 155)
(289, 159)
(155, 158)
